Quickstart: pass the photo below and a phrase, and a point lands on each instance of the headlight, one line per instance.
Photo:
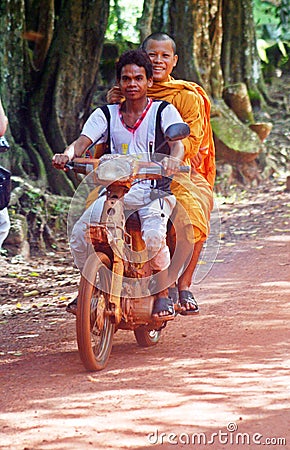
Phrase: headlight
(114, 169)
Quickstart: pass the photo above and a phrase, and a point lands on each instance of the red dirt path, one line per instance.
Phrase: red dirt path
(226, 369)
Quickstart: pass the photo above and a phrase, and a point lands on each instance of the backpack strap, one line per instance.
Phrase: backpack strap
(163, 185)
(107, 114)
(159, 135)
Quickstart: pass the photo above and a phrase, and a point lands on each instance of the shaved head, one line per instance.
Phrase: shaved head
(158, 37)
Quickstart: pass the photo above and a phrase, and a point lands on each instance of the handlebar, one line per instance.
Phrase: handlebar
(88, 165)
(79, 167)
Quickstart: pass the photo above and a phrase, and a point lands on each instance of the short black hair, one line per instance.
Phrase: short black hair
(158, 37)
(138, 57)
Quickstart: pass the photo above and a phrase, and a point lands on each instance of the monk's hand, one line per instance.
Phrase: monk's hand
(114, 95)
(196, 160)
(60, 160)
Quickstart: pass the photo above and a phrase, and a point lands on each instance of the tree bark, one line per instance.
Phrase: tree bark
(181, 14)
(240, 60)
(237, 98)
(145, 22)
(216, 42)
(51, 82)
(196, 26)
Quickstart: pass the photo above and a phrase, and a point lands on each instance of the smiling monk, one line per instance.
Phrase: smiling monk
(196, 196)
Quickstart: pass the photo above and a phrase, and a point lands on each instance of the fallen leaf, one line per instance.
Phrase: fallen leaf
(27, 336)
(31, 293)
(90, 378)
(14, 353)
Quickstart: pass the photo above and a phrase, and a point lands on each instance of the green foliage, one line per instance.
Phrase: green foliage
(122, 21)
(272, 19)
(115, 22)
(272, 26)
(283, 13)
(60, 206)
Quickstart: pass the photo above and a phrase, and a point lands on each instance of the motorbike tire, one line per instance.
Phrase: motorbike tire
(95, 328)
(147, 337)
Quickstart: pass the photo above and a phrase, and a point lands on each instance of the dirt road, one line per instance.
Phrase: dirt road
(219, 380)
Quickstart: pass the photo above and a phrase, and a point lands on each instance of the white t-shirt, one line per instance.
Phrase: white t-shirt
(126, 141)
(123, 140)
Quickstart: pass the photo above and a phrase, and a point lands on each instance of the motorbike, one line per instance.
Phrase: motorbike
(116, 288)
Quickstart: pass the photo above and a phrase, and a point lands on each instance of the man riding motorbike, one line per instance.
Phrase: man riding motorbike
(132, 131)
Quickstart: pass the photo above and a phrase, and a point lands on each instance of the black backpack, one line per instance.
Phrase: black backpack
(5, 187)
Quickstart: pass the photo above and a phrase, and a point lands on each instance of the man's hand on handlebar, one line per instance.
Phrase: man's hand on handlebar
(60, 160)
(170, 165)
(74, 150)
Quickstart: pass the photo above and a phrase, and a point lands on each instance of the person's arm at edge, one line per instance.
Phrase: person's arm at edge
(3, 120)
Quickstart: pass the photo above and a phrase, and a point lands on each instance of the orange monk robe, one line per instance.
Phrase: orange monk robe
(193, 105)
(195, 195)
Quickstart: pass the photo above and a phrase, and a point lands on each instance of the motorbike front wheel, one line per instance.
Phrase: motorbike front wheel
(146, 337)
(94, 326)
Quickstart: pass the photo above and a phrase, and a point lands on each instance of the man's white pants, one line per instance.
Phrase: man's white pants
(153, 218)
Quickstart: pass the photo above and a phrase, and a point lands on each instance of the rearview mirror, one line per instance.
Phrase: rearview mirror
(177, 131)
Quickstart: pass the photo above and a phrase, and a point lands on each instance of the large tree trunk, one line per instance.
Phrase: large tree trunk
(240, 60)
(145, 21)
(197, 28)
(52, 78)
